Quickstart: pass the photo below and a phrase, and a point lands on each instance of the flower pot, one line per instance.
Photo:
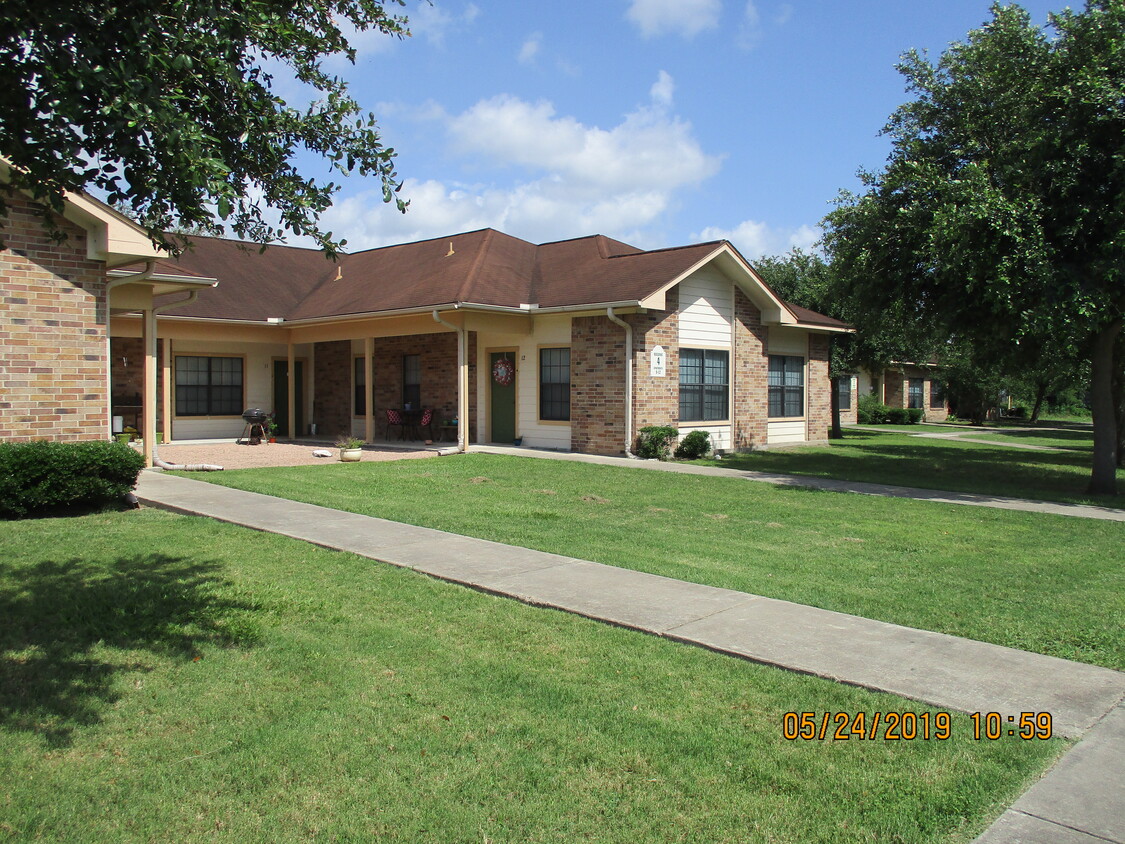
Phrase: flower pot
(350, 455)
(123, 438)
(273, 439)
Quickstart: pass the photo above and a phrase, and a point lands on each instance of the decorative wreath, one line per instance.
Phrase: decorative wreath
(503, 371)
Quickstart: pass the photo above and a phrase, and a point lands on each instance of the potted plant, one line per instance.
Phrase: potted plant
(271, 428)
(351, 448)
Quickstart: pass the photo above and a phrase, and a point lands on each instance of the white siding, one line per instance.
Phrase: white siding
(551, 330)
(785, 432)
(720, 434)
(257, 379)
(706, 310)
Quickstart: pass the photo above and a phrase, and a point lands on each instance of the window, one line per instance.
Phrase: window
(704, 385)
(360, 399)
(937, 395)
(554, 384)
(844, 392)
(786, 386)
(208, 386)
(412, 382)
(916, 389)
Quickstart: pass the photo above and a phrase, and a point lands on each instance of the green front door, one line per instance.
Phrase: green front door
(281, 396)
(502, 402)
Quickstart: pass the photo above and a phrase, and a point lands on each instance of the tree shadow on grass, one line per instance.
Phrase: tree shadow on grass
(69, 627)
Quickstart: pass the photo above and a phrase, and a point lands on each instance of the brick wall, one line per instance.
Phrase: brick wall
(438, 358)
(656, 401)
(52, 332)
(597, 385)
(751, 373)
(332, 380)
(127, 367)
(894, 388)
(819, 388)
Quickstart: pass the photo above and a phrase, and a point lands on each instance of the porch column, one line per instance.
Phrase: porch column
(462, 389)
(369, 388)
(148, 403)
(291, 386)
(166, 392)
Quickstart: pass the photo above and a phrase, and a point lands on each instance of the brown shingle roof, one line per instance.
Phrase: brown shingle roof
(483, 267)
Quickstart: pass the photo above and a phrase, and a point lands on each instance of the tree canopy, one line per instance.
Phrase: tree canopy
(1000, 215)
(169, 109)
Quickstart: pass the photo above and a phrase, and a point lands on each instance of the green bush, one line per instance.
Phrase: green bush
(898, 416)
(655, 442)
(695, 445)
(871, 411)
(45, 476)
(916, 415)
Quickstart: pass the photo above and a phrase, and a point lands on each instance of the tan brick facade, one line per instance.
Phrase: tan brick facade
(897, 394)
(52, 333)
(597, 386)
(656, 401)
(751, 376)
(820, 389)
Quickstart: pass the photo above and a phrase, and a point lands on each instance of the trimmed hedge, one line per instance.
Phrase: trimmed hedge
(45, 476)
(655, 442)
(694, 446)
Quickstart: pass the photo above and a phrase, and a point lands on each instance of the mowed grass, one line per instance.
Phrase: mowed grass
(166, 678)
(1049, 584)
(962, 465)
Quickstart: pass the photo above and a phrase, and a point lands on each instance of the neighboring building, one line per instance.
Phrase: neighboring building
(573, 345)
(908, 385)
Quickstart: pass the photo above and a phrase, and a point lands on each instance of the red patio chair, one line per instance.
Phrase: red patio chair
(427, 421)
(395, 418)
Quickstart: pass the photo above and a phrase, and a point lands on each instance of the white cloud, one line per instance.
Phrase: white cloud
(433, 20)
(662, 90)
(571, 179)
(784, 14)
(755, 239)
(530, 48)
(665, 17)
(750, 28)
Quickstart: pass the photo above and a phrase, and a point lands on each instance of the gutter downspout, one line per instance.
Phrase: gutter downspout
(628, 378)
(150, 268)
(462, 381)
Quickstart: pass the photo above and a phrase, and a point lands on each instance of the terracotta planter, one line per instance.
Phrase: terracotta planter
(350, 455)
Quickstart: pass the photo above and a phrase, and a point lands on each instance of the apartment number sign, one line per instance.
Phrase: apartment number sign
(658, 362)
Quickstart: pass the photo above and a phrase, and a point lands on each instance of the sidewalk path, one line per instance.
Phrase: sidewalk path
(940, 670)
(1082, 511)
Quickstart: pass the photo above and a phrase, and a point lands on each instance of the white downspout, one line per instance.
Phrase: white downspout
(150, 268)
(150, 424)
(462, 382)
(628, 379)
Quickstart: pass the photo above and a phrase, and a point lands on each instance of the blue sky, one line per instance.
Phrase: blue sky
(659, 122)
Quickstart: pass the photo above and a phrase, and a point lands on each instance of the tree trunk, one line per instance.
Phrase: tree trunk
(1040, 394)
(1119, 390)
(836, 433)
(1103, 475)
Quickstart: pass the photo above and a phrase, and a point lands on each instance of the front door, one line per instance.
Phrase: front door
(502, 401)
(281, 396)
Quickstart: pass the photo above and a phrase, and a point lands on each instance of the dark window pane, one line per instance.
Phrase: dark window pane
(554, 384)
(359, 400)
(937, 394)
(412, 381)
(915, 390)
(208, 386)
(786, 386)
(844, 392)
(704, 385)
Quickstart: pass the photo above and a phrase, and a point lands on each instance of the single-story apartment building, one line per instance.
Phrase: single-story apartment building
(571, 345)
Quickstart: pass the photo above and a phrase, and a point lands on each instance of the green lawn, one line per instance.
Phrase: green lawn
(1049, 584)
(962, 465)
(165, 678)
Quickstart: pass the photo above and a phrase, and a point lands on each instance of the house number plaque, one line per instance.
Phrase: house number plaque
(658, 362)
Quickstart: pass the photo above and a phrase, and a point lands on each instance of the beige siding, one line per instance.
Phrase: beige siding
(257, 390)
(720, 434)
(706, 308)
(789, 431)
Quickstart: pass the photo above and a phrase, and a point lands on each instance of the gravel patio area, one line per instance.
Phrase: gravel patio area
(235, 456)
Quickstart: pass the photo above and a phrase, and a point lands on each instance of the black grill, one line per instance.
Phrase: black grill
(255, 416)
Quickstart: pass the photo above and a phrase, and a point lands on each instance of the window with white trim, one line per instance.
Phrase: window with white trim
(704, 385)
(786, 386)
(207, 386)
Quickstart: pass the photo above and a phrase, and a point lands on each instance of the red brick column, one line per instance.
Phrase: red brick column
(656, 401)
(597, 386)
(819, 413)
(332, 383)
(750, 371)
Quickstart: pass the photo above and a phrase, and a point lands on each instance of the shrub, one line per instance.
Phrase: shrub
(45, 476)
(695, 445)
(871, 411)
(655, 442)
(898, 416)
(915, 415)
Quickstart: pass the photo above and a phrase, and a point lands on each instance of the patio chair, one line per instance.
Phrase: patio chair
(395, 418)
(427, 422)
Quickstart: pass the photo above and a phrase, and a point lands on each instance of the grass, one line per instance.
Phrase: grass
(962, 465)
(1048, 584)
(165, 678)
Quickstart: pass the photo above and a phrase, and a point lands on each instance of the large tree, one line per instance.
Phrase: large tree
(1000, 215)
(169, 108)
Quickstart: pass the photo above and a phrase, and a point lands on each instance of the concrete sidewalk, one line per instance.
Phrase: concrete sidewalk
(1081, 511)
(943, 671)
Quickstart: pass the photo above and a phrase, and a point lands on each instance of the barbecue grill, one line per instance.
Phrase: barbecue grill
(255, 428)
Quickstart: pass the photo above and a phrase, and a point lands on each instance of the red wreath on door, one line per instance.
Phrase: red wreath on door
(503, 371)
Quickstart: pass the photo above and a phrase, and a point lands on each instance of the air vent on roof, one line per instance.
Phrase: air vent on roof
(450, 252)
(339, 274)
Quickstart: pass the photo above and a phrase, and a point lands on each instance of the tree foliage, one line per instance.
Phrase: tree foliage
(999, 215)
(169, 108)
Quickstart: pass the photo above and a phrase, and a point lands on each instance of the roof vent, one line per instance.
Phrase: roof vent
(450, 252)
(339, 274)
